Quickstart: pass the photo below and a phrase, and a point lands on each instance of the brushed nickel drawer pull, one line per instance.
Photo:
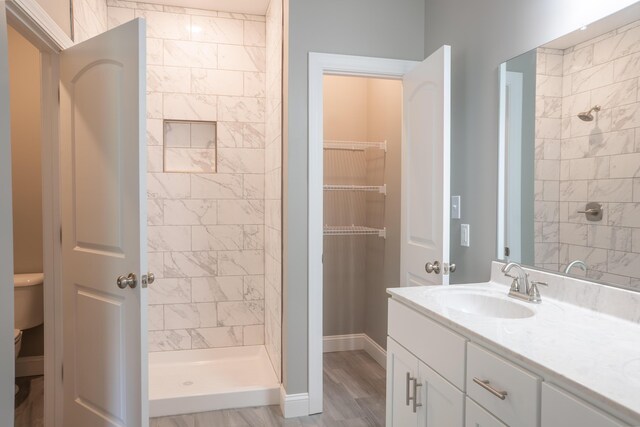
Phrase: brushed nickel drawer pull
(408, 389)
(416, 384)
(485, 384)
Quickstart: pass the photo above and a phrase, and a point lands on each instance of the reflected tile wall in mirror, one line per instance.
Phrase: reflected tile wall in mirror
(589, 161)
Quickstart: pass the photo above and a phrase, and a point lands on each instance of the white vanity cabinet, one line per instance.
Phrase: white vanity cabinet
(504, 389)
(417, 395)
(402, 370)
(560, 409)
(477, 416)
(437, 377)
(425, 376)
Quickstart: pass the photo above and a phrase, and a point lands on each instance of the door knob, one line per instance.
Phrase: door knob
(124, 281)
(147, 279)
(432, 268)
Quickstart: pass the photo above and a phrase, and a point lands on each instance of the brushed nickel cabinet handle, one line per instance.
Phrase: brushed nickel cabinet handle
(485, 384)
(408, 389)
(416, 384)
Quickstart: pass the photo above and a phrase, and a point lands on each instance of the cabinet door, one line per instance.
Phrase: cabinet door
(442, 403)
(560, 409)
(477, 417)
(402, 370)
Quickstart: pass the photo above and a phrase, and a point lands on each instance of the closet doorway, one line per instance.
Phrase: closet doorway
(362, 158)
(361, 218)
(367, 184)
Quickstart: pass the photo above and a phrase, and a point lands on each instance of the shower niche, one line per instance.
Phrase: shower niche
(189, 146)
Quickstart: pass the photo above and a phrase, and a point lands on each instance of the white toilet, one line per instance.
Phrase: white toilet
(28, 304)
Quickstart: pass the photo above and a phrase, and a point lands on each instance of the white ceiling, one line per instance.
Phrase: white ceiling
(254, 7)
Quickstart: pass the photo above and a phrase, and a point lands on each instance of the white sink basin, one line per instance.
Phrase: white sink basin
(486, 304)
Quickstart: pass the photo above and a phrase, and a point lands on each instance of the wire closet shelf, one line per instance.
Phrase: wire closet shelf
(354, 230)
(354, 145)
(382, 189)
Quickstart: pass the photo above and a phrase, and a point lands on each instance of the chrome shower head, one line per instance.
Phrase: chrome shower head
(586, 115)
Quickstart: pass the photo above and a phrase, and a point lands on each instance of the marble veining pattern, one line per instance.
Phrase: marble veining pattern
(270, 287)
(596, 161)
(573, 331)
(207, 191)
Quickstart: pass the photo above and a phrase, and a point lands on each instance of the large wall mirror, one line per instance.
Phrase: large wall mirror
(569, 187)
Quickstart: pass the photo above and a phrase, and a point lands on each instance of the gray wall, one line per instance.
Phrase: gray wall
(24, 81)
(357, 270)
(26, 154)
(380, 28)
(383, 255)
(483, 35)
(7, 348)
(344, 265)
(526, 64)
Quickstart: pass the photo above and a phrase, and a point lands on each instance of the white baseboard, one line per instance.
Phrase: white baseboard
(29, 366)
(376, 352)
(294, 405)
(355, 342)
(342, 343)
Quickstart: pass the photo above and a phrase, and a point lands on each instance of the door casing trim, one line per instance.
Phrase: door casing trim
(28, 18)
(321, 64)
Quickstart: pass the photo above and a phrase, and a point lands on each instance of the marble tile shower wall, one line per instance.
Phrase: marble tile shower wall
(89, 18)
(273, 185)
(205, 230)
(595, 161)
(548, 128)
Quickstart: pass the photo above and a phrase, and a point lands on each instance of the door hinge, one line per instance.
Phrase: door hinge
(58, 94)
(62, 372)
(60, 235)
(506, 251)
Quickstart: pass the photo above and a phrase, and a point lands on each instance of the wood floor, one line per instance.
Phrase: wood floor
(30, 411)
(354, 390)
(354, 396)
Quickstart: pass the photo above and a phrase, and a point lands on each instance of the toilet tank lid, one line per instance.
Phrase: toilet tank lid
(28, 279)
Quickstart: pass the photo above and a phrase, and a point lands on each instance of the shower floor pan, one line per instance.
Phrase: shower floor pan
(188, 381)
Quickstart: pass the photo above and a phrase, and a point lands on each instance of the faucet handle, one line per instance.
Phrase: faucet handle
(534, 293)
(515, 283)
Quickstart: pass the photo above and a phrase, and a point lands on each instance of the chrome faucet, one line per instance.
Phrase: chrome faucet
(520, 287)
(577, 263)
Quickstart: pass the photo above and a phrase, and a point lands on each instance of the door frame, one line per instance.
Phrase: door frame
(28, 18)
(321, 64)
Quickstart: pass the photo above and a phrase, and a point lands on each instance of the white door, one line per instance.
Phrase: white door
(442, 403)
(425, 171)
(7, 348)
(103, 199)
(402, 372)
(513, 137)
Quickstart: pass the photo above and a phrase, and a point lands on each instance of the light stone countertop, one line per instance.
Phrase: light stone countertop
(591, 353)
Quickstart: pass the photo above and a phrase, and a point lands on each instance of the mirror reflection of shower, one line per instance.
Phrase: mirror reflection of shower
(587, 116)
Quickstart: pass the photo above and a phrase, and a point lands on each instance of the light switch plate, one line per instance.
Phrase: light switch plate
(464, 235)
(455, 207)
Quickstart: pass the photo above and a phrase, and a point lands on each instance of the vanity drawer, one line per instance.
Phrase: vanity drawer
(519, 406)
(437, 346)
(476, 416)
(561, 409)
